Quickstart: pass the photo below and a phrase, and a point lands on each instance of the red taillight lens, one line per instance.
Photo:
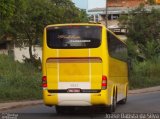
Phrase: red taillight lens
(104, 82)
(44, 81)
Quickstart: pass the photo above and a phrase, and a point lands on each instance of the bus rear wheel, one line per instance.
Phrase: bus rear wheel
(123, 101)
(112, 108)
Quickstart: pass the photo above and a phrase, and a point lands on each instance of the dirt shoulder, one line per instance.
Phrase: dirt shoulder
(10, 105)
(144, 90)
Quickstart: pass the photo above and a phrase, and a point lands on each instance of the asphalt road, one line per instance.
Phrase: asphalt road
(137, 103)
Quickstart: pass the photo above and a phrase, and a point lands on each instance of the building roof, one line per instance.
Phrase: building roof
(118, 6)
(125, 3)
(111, 10)
(119, 10)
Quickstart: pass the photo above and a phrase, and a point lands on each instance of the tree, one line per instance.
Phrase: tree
(31, 16)
(6, 13)
(143, 31)
(68, 12)
(151, 2)
(29, 19)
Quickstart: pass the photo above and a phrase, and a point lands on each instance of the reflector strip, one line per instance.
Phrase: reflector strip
(75, 60)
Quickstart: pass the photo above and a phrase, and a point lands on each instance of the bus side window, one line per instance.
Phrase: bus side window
(117, 49)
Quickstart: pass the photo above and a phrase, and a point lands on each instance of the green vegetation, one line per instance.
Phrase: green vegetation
(151, 2)
(145, 74)
(143, 46)
(18, 81)
(24, 20)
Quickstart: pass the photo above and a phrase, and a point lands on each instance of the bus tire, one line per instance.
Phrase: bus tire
(123, 101)
(112, 107)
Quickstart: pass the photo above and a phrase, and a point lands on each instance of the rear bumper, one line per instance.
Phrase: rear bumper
(76, 99)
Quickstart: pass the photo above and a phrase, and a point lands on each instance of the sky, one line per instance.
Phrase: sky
(89, 4)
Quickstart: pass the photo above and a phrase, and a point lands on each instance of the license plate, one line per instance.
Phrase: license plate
(73, 90)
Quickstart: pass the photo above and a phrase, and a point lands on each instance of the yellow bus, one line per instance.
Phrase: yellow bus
(83, 64)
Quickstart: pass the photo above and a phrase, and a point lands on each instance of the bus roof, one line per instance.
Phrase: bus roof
(68, 24)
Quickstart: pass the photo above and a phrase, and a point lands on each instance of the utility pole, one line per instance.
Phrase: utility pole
(106, 18)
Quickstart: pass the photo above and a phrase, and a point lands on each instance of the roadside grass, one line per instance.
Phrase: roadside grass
(18, 81)
(23, 81)
(145, 74)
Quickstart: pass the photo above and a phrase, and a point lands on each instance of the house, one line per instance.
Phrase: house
(115, 8)
(4, 47)
(157, 1)
(8, 47)
(21, 53)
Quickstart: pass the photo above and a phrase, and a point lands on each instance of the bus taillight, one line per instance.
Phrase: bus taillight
(44, 81)
(104, 82)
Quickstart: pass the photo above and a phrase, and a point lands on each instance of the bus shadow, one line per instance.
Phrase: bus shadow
(83, 112)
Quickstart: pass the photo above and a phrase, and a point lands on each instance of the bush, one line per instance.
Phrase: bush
(145, 74)
(18, 81)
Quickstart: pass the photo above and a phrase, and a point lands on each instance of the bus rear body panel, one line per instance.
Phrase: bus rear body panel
(81, 71)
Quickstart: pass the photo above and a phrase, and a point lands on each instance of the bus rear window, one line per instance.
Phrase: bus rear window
(74, 37)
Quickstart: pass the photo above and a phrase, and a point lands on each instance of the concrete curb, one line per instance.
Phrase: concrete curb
(144, 90)
(10, 105)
